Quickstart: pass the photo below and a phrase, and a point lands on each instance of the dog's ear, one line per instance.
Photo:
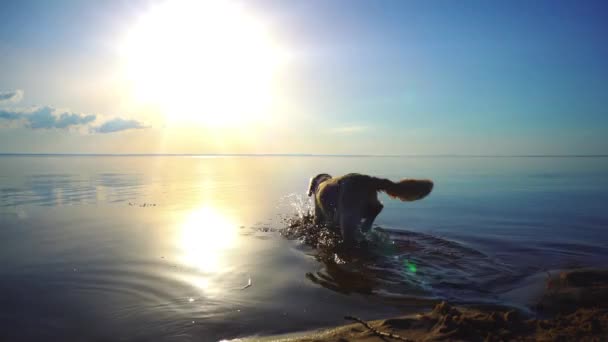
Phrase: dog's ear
(315, 181)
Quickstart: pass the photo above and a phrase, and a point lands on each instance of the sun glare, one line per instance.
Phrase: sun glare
(209, 62)
(204, 235)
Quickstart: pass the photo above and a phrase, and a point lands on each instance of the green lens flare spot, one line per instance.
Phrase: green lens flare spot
(410, 266)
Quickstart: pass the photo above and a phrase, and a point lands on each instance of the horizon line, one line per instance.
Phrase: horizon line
(16, 154)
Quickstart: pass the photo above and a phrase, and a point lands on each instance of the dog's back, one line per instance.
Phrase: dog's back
(357, 202)
(344, 195)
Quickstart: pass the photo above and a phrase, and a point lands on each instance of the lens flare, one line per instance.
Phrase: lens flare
(410, 266)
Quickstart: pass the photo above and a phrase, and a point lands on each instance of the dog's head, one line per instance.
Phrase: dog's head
(315, 181)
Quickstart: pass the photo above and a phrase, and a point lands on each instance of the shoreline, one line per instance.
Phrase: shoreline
(572, 307)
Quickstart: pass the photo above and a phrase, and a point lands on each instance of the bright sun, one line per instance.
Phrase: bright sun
(207, 62)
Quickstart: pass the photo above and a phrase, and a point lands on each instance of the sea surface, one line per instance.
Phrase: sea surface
(182, 248)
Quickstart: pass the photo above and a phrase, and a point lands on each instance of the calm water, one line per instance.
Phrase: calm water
(163, 248)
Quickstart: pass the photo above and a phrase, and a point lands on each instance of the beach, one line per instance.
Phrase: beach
(574, 307)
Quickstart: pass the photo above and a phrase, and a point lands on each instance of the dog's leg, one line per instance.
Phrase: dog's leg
(319, 217)
(371, 214)
(348, 227)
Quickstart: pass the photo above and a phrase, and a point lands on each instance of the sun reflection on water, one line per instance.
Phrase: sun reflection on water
(205, 236)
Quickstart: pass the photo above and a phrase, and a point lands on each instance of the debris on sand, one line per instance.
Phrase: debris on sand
(450, 323)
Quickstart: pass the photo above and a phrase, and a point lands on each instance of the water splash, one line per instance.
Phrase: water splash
(301, 205)
(395, 262)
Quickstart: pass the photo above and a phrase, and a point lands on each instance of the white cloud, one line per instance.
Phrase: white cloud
(51, 118)
(11, 96)
(118, 124)
(47, 117)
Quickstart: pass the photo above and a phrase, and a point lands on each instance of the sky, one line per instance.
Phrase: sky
(319, 77)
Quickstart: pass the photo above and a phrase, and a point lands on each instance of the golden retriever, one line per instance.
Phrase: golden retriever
(351, 201)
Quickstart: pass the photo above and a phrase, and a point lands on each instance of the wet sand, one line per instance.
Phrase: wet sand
(574, 307)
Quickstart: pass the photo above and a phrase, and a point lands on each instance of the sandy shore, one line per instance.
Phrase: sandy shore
(573, 307)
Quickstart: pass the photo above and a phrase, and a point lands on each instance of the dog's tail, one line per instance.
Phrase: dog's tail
(406, 189)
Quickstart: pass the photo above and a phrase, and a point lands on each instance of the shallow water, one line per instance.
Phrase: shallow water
(164, 248)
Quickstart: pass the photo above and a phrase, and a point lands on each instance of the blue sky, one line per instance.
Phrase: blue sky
(380, 77)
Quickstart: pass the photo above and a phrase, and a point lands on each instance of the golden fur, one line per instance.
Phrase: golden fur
(351, 200)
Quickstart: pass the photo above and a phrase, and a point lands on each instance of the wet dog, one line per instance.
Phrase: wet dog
(350, 202)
